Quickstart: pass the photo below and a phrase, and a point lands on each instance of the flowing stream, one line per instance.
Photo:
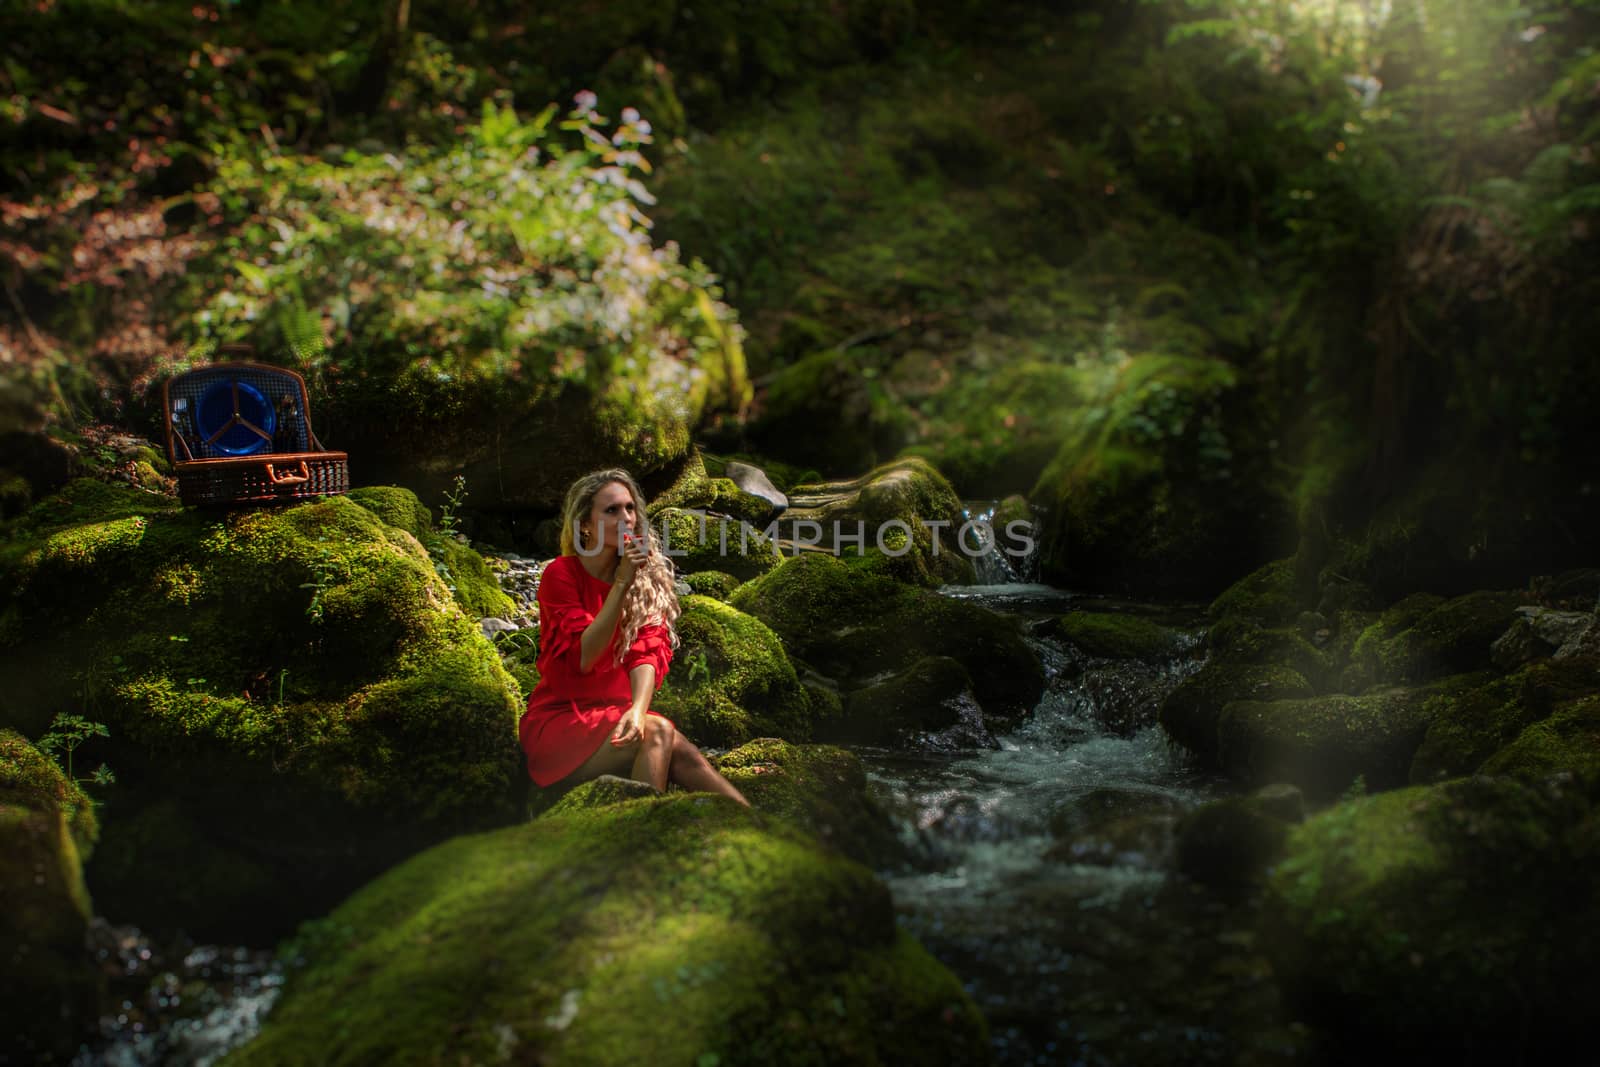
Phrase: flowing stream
(1043, 872)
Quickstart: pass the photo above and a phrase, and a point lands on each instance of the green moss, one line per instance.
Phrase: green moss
(1116, 636)
(747, 688)
(699, 542)
(1424, 637)
(897, 508)
(845, 418)
(852, 625)
(469, 578)
(298, 678)
(1322, 744)
(49, 983)
(1237, 640)
(1568, 740)
(1265, 596)
(1460, 915)
(716, 584)
(822, 788)
(30, 779)
(1134, 499)
(762, 948)
(1468, 727)
(1190, 713)
(930, 694)
(396, 506)
(464, 571)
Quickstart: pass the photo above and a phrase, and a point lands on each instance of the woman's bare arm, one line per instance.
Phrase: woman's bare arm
(642, 680)
(598, 635)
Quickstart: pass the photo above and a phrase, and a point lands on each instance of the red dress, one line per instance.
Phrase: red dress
(570, 714)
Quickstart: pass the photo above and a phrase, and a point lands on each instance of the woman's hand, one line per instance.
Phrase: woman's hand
(633, 559)
(630, 727)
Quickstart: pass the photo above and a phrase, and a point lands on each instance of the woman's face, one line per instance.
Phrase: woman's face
(611, 512)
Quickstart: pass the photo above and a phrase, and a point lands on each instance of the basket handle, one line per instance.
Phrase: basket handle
(289, 479)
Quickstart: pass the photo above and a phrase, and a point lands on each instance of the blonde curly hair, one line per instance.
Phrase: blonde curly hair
(653, 596)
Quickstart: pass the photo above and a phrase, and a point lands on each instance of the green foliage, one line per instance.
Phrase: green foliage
(66, 733)
(453, 499)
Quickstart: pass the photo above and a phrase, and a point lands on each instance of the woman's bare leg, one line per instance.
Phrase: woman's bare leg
(606, 759)
(691, 769)
(655, 752)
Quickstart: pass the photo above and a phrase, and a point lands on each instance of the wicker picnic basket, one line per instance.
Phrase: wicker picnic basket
(240, 433)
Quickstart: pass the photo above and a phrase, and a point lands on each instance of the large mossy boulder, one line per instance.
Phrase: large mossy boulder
(695, 487)
(686, 925)
(902, 515)
(50, 985)
(822, 788)
(932, 696)
(1423, 637)
(1156, 487)
(1456, 921)
(1467, 727)
(1324, 743)
(699, 541)
(1567, 742)
(294, 699)
(854, 626)
(730, 679)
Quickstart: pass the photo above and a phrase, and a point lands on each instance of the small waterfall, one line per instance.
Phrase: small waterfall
(999, 556)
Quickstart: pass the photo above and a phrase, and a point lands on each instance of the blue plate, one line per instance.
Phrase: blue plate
(215, 410)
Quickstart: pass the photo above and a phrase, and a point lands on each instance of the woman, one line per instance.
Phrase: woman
(606, 608)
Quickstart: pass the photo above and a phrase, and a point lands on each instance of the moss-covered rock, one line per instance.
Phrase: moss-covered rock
(1190, 713)
(718, 585)
(1014, 508)
(49, 983)
(1455, 636)
(905, 511)
(1456, 920)
(1236, 640)
(731, 679)
(1322, 744)
(1265, 596)
(1118, 636)
(853, 625)
(1422, 637)
(298, 681)
(932, 694)
(695, 487)
(1567, 741)
(1467, 727)
(397, 506)
(698, 541)
(822, 788)
(464, 571)
(686, 925)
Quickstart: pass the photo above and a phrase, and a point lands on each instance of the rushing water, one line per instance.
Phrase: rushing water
(1044, 866)
(177, 1004)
